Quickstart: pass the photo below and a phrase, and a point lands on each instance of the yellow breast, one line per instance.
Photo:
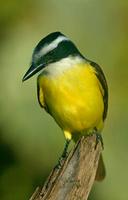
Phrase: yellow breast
(74, 98)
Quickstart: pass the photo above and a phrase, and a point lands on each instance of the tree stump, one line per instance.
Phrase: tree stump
(74, 180)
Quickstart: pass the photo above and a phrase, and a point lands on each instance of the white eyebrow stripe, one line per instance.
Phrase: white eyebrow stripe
(49, 47)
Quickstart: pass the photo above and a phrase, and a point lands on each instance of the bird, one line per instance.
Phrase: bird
(71, 88)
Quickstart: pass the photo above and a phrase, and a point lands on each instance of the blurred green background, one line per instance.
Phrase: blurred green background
(30, 140)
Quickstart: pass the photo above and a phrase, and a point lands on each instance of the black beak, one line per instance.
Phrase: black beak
(32, 70)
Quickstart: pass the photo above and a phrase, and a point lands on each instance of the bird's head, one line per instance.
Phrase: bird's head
(50, 49)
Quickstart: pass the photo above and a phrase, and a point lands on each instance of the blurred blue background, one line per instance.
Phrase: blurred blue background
(30, 140)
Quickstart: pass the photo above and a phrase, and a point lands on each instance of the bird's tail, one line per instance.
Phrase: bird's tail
(101, 172)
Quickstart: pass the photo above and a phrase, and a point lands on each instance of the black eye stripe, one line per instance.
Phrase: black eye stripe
(59, 47)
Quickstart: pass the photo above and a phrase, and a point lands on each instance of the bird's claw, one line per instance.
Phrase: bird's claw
(99, 138)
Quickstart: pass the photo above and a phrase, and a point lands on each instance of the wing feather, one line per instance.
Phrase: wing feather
(100, 75)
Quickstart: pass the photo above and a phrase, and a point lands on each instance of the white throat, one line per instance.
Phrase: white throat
(62, 65)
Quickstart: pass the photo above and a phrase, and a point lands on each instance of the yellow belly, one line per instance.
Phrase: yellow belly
(74, 98)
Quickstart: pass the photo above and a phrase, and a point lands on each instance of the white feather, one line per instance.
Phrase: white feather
(49, 47)
(62, 65)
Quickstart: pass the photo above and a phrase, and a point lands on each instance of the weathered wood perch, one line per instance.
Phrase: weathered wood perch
(74, 180)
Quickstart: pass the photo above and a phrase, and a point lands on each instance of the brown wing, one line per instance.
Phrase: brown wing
(102, 79)
(40, 96)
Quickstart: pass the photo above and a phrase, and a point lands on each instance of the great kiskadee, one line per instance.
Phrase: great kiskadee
(70, 87)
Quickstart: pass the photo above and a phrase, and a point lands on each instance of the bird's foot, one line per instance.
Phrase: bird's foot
(99, 139)
(63, 156)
